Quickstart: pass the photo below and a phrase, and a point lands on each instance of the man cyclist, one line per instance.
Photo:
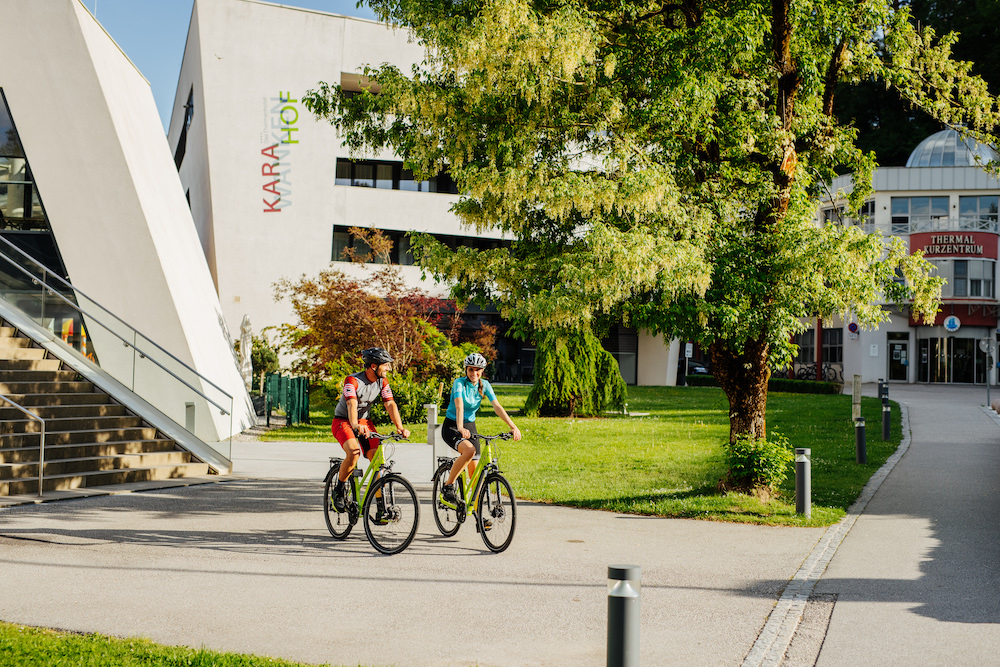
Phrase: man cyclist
(351, 423)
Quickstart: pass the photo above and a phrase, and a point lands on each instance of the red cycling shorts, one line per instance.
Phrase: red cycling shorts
(341, 429)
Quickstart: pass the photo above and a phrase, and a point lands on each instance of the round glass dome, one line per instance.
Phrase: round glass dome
(947, 148)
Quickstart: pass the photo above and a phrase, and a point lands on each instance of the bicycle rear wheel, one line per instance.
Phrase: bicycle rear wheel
(392, 523)
(496, 512)
(338, 523)
(445, 517)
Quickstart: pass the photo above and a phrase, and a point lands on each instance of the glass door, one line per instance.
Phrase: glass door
(898, 360)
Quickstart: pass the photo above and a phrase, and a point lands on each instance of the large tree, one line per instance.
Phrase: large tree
(660, 161)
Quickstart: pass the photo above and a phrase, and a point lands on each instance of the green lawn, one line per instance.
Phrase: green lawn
(669, 463)
(22, 646)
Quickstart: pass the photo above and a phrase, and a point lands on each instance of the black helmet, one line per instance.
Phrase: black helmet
(375, 355)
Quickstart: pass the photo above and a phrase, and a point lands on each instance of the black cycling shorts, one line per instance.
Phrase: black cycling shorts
(451, 435)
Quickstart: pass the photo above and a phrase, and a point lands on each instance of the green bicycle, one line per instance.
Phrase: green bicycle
(387, 500)
(488, 495)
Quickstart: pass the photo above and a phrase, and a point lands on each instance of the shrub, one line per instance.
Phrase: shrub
(574, 375)
(803, 386)
(410, 394)
(782, 385)
(757, 465)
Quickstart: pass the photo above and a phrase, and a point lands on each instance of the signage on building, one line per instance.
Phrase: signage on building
(955, 244)
(952, 324)
(280, 124)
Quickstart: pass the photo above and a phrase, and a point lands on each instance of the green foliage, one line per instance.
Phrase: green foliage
(574, 375)
(660, 165)
(757, 463)
(410, 394)
(263, 356)
(774, 384)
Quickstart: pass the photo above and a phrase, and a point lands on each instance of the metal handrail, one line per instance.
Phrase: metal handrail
(41, 444)
(142, 354)
(48, 272)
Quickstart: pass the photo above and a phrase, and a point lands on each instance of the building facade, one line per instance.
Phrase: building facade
(945, 204)
(272, 190)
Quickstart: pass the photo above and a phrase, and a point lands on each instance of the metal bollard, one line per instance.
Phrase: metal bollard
(883, 393)
(624, 598)
(886, 414)
(860, 449)
(432, 427)
(803, 482)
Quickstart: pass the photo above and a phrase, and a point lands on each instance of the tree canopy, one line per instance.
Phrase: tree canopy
(659, 162)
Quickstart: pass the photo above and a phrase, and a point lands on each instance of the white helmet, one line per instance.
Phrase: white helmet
(475, 360)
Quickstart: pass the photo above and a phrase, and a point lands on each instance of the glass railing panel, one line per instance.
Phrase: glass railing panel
(82, 327)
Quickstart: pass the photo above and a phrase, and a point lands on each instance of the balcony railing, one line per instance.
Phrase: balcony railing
(942, 223)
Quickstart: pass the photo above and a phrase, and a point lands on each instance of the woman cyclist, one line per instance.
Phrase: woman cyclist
(459, 428)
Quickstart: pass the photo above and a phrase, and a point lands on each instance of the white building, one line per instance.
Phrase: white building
(273, 192)
(943, 203)
(88, 189)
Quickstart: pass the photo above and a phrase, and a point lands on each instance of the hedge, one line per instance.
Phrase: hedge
(774, 384)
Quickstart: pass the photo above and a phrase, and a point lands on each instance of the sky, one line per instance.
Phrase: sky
(152, 34)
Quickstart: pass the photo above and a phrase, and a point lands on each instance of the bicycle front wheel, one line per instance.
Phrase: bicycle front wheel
(338, 523)
(445, 517)
(496, 512)
(391, 514)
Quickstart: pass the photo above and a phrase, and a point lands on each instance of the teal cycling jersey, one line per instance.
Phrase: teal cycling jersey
(469, 393)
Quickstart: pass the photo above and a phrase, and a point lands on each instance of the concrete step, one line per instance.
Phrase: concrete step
(44, 387)
(29, 365)
(64, 412)
(14, 342)
(60, 424)
(103, 478)
(55, 398)
(8, 331)
(15, 353)
(10, 376)
(29, 453)
(25, 470)
(78, 437)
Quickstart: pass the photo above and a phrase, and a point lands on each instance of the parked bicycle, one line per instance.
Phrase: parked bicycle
(488, 495)
(385, 498)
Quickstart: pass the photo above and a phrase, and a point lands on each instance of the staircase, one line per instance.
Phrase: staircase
(90, 440)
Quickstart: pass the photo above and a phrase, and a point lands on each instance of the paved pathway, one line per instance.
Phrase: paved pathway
(247, 565)
(916, 581)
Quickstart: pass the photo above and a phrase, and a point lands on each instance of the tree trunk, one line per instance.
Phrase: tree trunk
(743, 377)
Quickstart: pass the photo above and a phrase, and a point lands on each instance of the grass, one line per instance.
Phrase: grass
(22, 646)
(669, 462)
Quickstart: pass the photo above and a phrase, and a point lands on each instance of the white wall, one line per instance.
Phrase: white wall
(241, 54)
(105, 174)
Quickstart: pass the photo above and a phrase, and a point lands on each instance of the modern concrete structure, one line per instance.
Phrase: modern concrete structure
(944, 203)
(273, 192)
(88, 187)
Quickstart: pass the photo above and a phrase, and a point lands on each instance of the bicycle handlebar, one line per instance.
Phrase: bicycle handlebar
(387, 436)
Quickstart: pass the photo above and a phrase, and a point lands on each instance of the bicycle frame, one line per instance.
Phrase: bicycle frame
(486, 461)
(375, 466)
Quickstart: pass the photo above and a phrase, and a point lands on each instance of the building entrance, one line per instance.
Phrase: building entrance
(951, 360)
(898, 360)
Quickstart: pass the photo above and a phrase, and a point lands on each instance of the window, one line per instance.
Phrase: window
(911, 214)
(960, 284)
(807, 347)
(833, 345)
(401, 254)
(386, 175)
(182, 140)
(978, 212)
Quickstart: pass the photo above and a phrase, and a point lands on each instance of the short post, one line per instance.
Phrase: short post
(803, 482)
(860, 449)
(886, 414)
(883, 392)
(432, 418)
(624, 598)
